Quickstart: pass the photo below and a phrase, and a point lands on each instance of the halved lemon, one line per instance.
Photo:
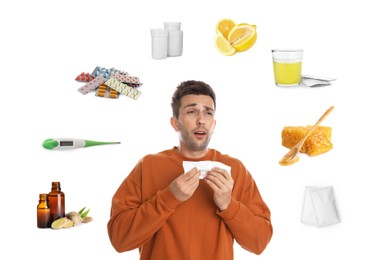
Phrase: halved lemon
(243, 36)
(224, 26)
(223, 45)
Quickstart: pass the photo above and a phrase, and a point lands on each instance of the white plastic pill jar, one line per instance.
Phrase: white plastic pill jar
(175, 38)
(159, 43)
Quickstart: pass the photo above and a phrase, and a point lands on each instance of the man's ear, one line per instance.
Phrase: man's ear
(174, 124)
(214, 126)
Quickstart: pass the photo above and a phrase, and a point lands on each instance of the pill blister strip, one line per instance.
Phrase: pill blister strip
(123, 88)
(107, 73)
(84, 77)
(90, 86)
(106, 92)
(132, 81)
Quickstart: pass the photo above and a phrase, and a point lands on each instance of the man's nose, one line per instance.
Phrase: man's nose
(201, 119)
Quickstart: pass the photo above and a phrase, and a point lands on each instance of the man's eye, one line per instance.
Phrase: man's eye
(209, 113)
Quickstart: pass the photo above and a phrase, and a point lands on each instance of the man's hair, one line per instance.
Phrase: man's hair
(190, 87)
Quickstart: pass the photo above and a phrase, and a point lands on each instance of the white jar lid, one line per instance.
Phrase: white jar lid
(159, 32)
(172, 25)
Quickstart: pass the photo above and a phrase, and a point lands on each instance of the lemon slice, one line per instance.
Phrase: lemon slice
(63, 222)
(243, 36)
(223, 46)
(224, 26)
(68, 224)
(59, 223)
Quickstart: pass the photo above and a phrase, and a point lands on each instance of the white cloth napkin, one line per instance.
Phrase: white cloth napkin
(319, 207)
(204, 166)
(314, 81)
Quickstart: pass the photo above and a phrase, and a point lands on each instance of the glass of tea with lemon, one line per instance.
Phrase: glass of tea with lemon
(287, 67)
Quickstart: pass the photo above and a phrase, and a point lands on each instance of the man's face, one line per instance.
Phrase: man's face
(196, 122)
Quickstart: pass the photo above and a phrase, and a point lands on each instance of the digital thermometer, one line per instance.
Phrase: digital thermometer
(70, 143)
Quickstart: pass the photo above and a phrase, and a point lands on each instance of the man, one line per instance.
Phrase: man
(169, 214)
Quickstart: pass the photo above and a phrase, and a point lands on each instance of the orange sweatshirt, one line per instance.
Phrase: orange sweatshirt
(146, 215)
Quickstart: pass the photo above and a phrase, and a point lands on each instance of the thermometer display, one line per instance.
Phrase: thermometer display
(66, 143)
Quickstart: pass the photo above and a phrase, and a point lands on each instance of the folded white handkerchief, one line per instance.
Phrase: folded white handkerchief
(319, 208)
(204, 166)
(314, 81)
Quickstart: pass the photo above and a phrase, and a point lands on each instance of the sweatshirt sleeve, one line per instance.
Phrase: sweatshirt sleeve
(247, 216)
(133, 222)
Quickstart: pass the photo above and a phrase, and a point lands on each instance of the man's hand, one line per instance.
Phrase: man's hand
(184, 186)
(222, 185)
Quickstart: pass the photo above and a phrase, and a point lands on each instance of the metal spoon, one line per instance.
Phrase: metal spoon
(291, 157)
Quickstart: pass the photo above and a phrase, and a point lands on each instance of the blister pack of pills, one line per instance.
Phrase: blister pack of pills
(107, 73)
(109, 83)
(106, 92)
(84, 77)
(92, 85)
(122, 88)
(132, 81)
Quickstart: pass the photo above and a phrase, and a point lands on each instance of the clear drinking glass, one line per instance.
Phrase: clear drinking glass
(287, 67)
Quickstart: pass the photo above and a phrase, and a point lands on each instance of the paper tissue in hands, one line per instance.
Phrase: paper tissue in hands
(319, 208)
(204, 166)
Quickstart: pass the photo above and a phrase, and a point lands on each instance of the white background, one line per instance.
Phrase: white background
(46, 44)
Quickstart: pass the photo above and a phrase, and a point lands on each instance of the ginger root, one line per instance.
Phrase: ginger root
(72, 219)
(75, 217)
(78, 217)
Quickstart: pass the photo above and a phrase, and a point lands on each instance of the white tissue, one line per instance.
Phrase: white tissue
(204, 166)
(319, 207)
(314, 81)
